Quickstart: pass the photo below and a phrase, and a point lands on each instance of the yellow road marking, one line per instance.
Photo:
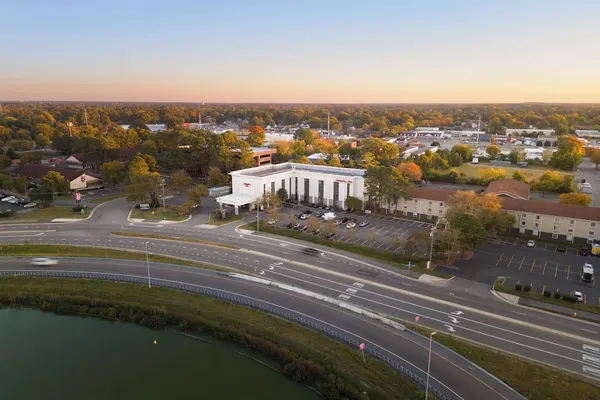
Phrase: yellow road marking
(544, 270)
(532, 265)
(508, 266)
(520, 265)
(500, 259)
(556, 272)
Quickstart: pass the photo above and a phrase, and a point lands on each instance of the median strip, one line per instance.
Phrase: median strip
(173, 238)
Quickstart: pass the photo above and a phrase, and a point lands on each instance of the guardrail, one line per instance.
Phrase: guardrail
(241, 300)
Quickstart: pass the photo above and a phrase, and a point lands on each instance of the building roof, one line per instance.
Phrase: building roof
(263, 150)
(430, 194)
(549, 208)
(509, 188)
(128, 152)
(78, 157)
(273, 169)
(37, 171)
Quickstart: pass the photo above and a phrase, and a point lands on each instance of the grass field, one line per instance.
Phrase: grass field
(472, 170)
(160, 214)
(306, 356)
(103, 199)
(219, 222)
(49, 213)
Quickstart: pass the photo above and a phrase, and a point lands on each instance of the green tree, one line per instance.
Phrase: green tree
(137, 167)
(20, 184)
(4, 161)
(384, 186)
(179, 179)
(11, 154)
(54, 182)
(354, 203)
(216, 177)
(306, 135)
(595, 157)
(580, 199)
(471, 229)
(196, 193)
(256, 136)
(282, 194)
(492, 150)
(463, 150)
(113, 172)
(569, 153)
(143, 187)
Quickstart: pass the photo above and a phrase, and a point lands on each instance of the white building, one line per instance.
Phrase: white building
(519, 132)
(303, 182)
(581, 133)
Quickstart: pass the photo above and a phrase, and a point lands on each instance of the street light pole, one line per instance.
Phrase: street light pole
(257, 217)
(148, 265)
(429, 364)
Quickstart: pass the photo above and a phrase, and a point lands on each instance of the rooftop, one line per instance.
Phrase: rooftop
(509, 188)
(267, 170)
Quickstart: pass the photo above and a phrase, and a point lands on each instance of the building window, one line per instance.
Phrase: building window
(405, 213)
(405, 206)
(296, 188)
(537, 225)
(272, 187)
(570, 230)
(429, 203)
(555, 227)
(321, 191)
(429, 210)
(555, 236)
(416, 201)
(523, 222)
(591, 233)
(441, 204)
(429, 216)
(572, 222)
(556, 219)
(592, 224)
(264, 188)
(336, 193)
(347, 189)
(306, 189)
(523, 215)
(440, 211)
(537, 217)
(283, 183)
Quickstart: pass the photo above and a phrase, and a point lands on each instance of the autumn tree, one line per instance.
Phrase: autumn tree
(487, 208)
(256, 136)
(595, 157)
(313, 224)
(306, 135)
(463, 150)
(196, 193)
(179, 179)
(143, 187)
(411, 170)
(519, 176)
(569, 153)
(113, 172)
(470, 228)
(580, 199)
(54, 182)
(492, 174)
(320, 161)
(329, 228)
(386, 154)
(216, 177)
(31, 158)
(137, 167)
(492, 150)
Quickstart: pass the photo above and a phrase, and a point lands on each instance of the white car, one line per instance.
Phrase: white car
(44, 262)
(351, 225)
(304, 216)
(9, 198)
(363, 223)
(30, 205)
(531, 243)
(272, 222)
(578, 296)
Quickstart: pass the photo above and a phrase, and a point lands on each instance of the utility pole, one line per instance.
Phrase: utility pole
(478, 130)
(85, 115)
(163, 194)
(70, 125)
(328, 132)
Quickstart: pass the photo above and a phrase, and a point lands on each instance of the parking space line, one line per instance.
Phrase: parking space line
(532, 265)
(568, 271)
(544, 270)
(520, 265)
(511, 259)
(499, 259)
(584, 299)
(556, 271)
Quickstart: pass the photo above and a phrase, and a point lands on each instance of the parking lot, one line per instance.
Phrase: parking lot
(381, 232)
(542, 266)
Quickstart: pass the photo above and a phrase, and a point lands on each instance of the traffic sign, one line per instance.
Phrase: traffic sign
(78, 196)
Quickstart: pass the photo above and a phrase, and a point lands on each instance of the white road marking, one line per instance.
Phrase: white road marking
(587, 330)
(344, 297)
(590, 370)
(591, 349)
(591, 359)
(358, 285)
(351, 290)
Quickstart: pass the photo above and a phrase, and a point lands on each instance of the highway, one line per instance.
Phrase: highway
(450, 374)
(466, 309)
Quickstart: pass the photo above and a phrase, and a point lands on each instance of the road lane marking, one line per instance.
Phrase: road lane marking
(568, 271)
(591, 360)
(544, 270)
(591, 349)
(520, 265)
(508, 266)
(587, 330)
(556, 271)
(499, 259)
(532, 265)
(592, 371)
(520, 313)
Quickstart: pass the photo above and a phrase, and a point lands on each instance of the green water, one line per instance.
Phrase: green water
(44, 356)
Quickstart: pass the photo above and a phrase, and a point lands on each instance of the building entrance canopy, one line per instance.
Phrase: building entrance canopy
(236, 200)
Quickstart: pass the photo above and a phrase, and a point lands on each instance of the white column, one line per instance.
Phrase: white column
(237, 211)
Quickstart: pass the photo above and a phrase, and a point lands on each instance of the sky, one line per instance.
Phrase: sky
(301, 51)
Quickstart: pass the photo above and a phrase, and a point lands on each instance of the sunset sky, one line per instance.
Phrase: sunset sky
(310, 51)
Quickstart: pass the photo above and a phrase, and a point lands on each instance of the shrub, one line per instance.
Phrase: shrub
(518, 287)
(569, 297)
(527, 288)
(557, 294)
(547, 293)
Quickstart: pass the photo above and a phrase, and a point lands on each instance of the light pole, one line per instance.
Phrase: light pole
(148, 264)
(429, 364)
(433, 229)
(257, 216)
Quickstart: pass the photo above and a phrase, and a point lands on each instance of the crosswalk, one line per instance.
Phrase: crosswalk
(351, 290)
(591, 358)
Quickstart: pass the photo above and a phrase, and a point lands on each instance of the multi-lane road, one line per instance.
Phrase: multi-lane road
(466, 309)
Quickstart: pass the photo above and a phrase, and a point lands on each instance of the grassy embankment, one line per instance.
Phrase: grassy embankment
(47, 213)
(532, 380)
(35, 250)
(389, 257)
(104, 199)
(160, 214)
(334, 369)
(537, 295)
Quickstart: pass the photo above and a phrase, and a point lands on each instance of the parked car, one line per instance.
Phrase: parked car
(297, 226)
(44, 262)
(531, 243)
(290, 226)
(363, 223)
(30, 205)
(7, 199)
(579, 296)
(304, 216)
(316, 231)
(351, 225)
(584, 251)
(329, 235)
(272, 221)
(561, 249)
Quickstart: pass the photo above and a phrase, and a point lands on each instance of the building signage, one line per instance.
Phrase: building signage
(82, 178)
(247, 185)
(77, 196)
(342, 181)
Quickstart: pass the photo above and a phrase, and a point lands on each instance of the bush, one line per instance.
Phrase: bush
(518, 287)
(6, 213)
(557, 294)
(547, 293)
(527, 288)
(570, 297)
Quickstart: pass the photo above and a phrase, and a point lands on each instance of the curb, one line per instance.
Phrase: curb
(164, 222)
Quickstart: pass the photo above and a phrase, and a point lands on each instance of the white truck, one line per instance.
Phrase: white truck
(328, 216)
(587, 273)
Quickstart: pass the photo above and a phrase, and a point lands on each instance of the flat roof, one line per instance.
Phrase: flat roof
(273, 169)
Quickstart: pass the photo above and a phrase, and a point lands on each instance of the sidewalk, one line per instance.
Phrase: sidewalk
(558, 309)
